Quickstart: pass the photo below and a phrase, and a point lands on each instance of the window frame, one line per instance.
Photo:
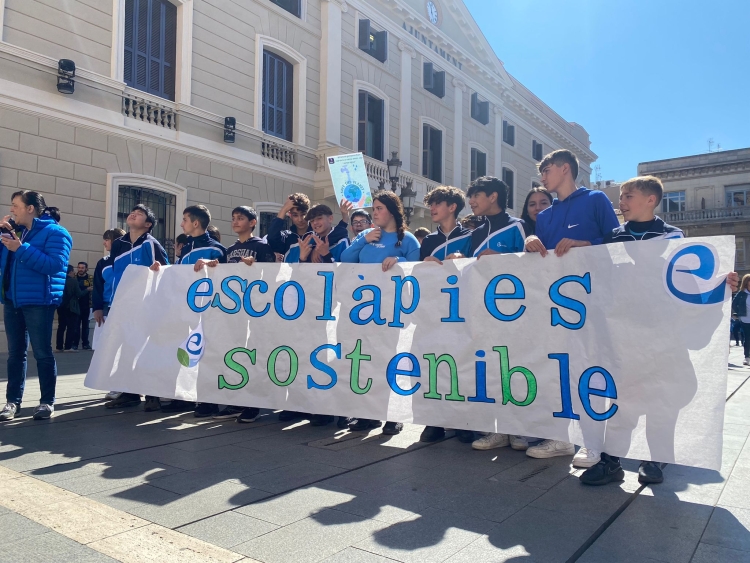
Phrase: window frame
(437, 92)
(479, 148)
(667, 196)
(378, 93)
(508, 132)
(299, 8)
(480, 110)
(736, 188)
(378, 39)
(288, 95)
(362, 136)
(534, 146)
(435, 125)
(512, 193)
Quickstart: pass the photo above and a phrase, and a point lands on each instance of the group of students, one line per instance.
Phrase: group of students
(576, 217)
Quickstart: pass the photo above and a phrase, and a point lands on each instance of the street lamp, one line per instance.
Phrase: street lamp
(408, 196)
(394, 165)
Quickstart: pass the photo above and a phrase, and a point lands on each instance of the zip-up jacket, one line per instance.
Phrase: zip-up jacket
(280, 239)
(440, 246)
(648, 230)
(739, 304)
(501, 233)
(202, 247)
(103, 277)
(145, 251)
(583, 215)
(35, 273)
(254, 247)
(338, 241)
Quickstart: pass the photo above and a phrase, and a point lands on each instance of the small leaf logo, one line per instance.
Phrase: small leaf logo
(182, 357)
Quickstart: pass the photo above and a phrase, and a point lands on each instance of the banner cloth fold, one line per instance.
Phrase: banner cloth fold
(621, 348)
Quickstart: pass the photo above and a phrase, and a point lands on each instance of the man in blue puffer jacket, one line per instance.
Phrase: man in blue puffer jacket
(33, 263)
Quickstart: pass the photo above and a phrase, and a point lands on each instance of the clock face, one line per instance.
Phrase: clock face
(432, 12)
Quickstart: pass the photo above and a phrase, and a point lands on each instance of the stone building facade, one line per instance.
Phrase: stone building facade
(708, 194)
(304, 79)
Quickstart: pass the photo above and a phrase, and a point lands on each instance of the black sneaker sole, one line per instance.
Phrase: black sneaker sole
(123, 405)
(650, 481)
(616, 476)
(246, 420)
(392, 431)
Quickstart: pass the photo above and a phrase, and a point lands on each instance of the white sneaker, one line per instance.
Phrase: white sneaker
(519, 443)
(550, 448)
(746, 362)
(112, 395)
(491, 441)
(586, 458)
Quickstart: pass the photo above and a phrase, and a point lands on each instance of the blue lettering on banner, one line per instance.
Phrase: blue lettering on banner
(700, 275)
(325, 368)
(491, 296)
(195, 291)
(393, 370)
(568, 303)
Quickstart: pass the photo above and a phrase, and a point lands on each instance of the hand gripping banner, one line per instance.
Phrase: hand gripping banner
(621, 348)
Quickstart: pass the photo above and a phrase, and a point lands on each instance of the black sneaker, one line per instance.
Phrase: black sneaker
(152, 404)
(205, 410)
(344, 422)
(364, 424)
(123, 401)
(650, 473)
(465, 436)
(432, 434)
(86, 347)
(228, 412)
(321, 419)
(250, 414)
(286, 416)
(607, 470)
(177, 406)
(393, 428)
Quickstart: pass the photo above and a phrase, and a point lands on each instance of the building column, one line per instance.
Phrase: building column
(458, 124)
(404, 127)
(498, 166)
(330, 73)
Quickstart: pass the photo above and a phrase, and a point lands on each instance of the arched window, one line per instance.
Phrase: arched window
(278, 96)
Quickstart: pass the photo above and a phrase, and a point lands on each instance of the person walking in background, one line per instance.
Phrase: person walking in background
(69, 313)
(86, 283)
(33, 265)
(538, 199)
(740, 308)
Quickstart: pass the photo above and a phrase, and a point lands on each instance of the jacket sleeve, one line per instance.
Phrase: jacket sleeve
(278, 238)
(54, 258)
(160, 254)
(539, 231)
(605, 217)
(351, 254)
(97, 296)
(411, 249)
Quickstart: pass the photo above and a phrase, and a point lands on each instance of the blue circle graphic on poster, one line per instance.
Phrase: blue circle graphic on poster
(353, 193)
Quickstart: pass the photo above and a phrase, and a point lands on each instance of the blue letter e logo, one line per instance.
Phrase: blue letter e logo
(689, 275)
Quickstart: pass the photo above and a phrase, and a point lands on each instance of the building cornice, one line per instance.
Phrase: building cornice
(700, 171)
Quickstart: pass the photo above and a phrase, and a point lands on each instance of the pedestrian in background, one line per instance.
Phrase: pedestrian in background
(86, 283)
(33, 263)
(69, 313)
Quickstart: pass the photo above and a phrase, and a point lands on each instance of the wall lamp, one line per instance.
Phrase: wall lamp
(230, 124)
(66, 71)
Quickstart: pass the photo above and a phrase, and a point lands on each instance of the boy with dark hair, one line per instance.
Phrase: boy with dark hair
(198, 249)
(325, 244)
(471, 222)
(295, 207)
(179, 242)
(214, 233)
(421, 233)
(138, 248)
(248, 249)
(445, 203)
(499, 233)
(361, 221)
(450, 239)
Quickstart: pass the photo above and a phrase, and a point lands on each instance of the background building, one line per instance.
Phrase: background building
(303, 79)
(708, 194)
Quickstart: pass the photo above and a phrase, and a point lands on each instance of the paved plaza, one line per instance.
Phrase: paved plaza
(95, 485)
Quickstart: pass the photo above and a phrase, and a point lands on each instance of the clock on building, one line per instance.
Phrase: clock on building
(433, 14)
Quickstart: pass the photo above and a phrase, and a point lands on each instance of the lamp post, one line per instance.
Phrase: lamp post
(408, 196)
(394, 165)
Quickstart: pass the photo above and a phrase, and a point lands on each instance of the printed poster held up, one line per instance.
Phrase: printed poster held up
(349, 177)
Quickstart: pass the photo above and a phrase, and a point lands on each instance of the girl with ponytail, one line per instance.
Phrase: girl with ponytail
(387, 243)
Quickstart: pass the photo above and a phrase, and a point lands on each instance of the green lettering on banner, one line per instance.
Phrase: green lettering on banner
(293, 365)
(434, 365)
(507, 373)
(237, 368)
(356, 356)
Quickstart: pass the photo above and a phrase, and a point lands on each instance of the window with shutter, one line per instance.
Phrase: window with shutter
(509, 133)
(508, 179)
(536, 150)
(150, 46)
(433, 80)
(432, 153)
(480, 111)
(374, 43)
(478, 164)
(277, 96)
(291, 6)
(370, 134)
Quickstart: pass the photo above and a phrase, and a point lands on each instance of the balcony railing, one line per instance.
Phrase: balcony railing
(278, 152)
(149, 111)
(706, 215)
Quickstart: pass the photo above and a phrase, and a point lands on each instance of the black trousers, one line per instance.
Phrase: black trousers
(67, 321)
(84, 321)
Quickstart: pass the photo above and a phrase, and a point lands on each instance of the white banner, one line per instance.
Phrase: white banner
(621, 348)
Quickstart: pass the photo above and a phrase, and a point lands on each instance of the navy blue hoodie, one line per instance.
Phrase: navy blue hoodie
(440, 246)
(583, 215)
(202, 247)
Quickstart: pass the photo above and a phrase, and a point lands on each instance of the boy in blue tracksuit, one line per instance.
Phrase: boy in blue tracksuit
(137, 248)
(335, 239)
(578, 217)
(445, 203)
(295, 208)
(199, 248)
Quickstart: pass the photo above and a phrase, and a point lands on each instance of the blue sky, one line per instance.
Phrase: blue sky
(648, 79)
